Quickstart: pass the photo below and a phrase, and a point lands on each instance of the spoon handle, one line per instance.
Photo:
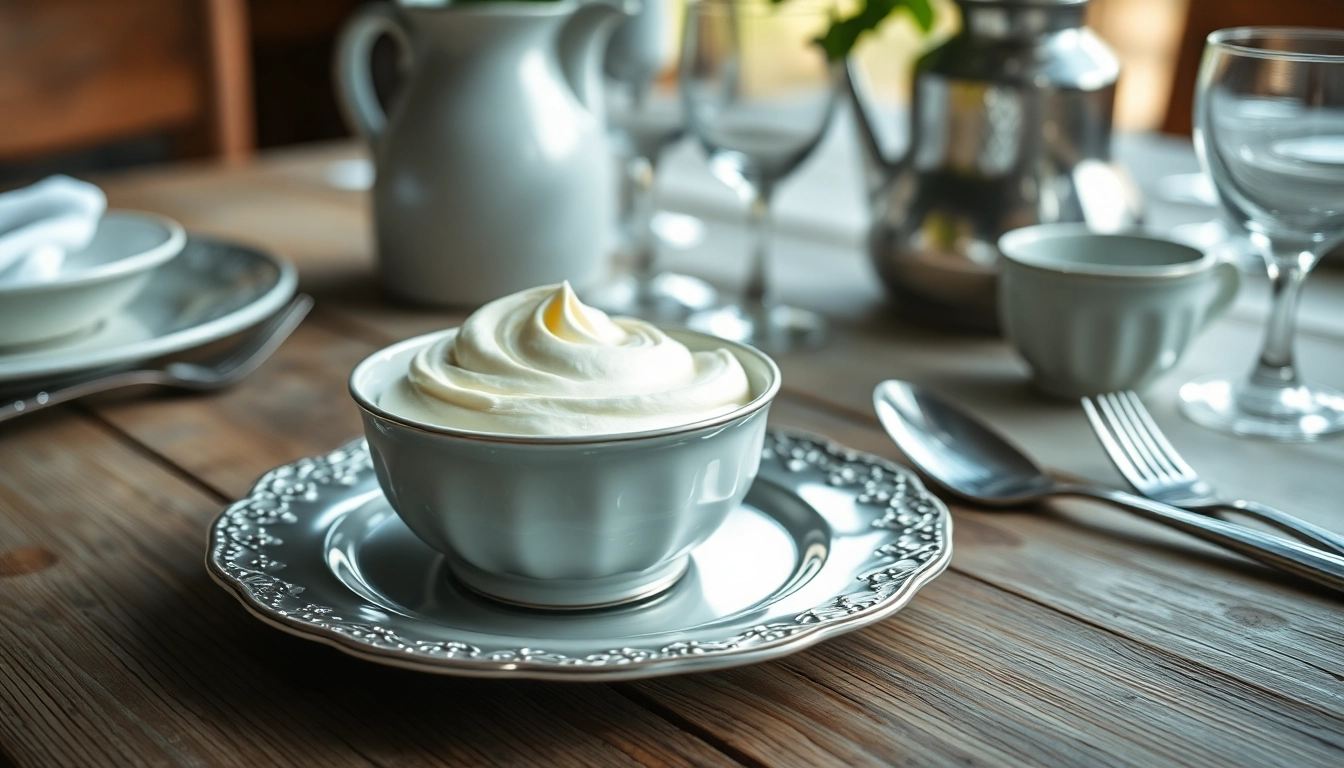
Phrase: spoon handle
(1312, 535)
(12, 409)
(1309, 563)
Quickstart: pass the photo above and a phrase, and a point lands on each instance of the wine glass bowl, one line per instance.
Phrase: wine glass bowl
(759, 93)
(644, 117)
(1269, 130)
(758, 142)
(1273, 149)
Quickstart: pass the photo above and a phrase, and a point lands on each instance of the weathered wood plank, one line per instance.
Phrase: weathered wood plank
(296, 401)
(117, 649)
(1132, 577)
(1142, 582)
(1157, 585)
(296, 404)
(328, 242)
(1002, 540)
(970, 675)
(1177, 643)
(80, 74)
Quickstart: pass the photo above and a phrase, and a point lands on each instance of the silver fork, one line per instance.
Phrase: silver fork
(1148, 461)
(216, 373)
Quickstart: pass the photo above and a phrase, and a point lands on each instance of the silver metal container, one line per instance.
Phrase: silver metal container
(1010, 126)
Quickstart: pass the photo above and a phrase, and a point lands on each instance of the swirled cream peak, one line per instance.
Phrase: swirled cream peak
(540, 362)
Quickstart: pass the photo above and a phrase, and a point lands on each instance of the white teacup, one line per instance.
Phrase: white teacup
(1098, 312)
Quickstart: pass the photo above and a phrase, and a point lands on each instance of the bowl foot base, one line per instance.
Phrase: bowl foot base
(570, 594)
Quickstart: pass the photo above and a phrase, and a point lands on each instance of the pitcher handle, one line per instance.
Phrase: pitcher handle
(354, 78)
(582, 43)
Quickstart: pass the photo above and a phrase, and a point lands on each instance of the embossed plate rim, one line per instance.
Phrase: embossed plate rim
(617, 663)
(60, 359)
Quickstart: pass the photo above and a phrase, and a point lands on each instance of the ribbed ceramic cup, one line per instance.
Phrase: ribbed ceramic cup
(565, 522)
(1096, 313)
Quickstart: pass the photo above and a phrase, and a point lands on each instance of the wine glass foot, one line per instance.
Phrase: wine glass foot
(1288, 414)
(777, 328)
(666, 297)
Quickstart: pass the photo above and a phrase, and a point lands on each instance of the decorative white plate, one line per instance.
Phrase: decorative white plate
(828, 540)
(211, 289)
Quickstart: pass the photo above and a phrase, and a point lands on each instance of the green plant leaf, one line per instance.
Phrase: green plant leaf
(922, 10)
(844, 33)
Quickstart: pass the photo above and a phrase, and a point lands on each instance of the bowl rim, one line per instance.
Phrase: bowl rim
(141, 261)
(761, 400)
(1013, 243)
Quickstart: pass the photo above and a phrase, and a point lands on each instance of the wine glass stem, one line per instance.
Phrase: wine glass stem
(639, 176)
(756, 294)
(1287, 272)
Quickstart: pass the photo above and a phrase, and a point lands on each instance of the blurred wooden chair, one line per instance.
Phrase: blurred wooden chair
(76, 74)
(293, 43)
(1205, 16)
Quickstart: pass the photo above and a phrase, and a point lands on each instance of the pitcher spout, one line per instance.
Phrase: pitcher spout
(879, 171)
(582, 42)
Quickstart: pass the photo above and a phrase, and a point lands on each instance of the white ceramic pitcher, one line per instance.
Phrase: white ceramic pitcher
(492, 165)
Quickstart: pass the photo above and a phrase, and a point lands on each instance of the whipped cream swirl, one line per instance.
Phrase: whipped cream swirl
(541, 363)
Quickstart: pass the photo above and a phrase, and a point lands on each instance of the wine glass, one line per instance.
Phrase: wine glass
(644, 116)
(759, 93)
(1269, 130)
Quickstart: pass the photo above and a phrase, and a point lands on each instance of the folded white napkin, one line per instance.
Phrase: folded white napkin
(42, 223)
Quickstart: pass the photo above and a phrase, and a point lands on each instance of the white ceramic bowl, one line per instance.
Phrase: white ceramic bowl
(93, 283)
(562, 522)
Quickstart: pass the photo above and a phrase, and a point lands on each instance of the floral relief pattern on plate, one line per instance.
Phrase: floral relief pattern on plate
(915, 546)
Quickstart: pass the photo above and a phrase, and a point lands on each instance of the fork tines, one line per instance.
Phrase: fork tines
(1133, 440)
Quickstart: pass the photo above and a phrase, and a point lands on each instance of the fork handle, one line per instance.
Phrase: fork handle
(1320, 567)
(45, 399)
(1296, 527)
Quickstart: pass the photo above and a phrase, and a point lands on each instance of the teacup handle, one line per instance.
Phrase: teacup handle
(1229, 281)
(354, 80)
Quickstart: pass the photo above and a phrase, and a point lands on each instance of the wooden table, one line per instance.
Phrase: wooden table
(1067, 635)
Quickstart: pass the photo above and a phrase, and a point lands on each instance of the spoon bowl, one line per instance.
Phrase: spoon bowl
(956, 451)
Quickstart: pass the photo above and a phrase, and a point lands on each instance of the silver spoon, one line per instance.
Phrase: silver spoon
(973, 462)
(216, 373)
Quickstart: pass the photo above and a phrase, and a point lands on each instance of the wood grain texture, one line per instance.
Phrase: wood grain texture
(1137, 579)
(76, 72)
(1143, 582)
(969, 675)
(295, 405)
(1065, 635)
(328, 242)
(233, 132)
(79, 73)
(123, 652)
(988, 545)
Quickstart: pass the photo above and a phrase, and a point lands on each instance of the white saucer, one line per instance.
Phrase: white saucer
(211, 289)
(828, 540)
